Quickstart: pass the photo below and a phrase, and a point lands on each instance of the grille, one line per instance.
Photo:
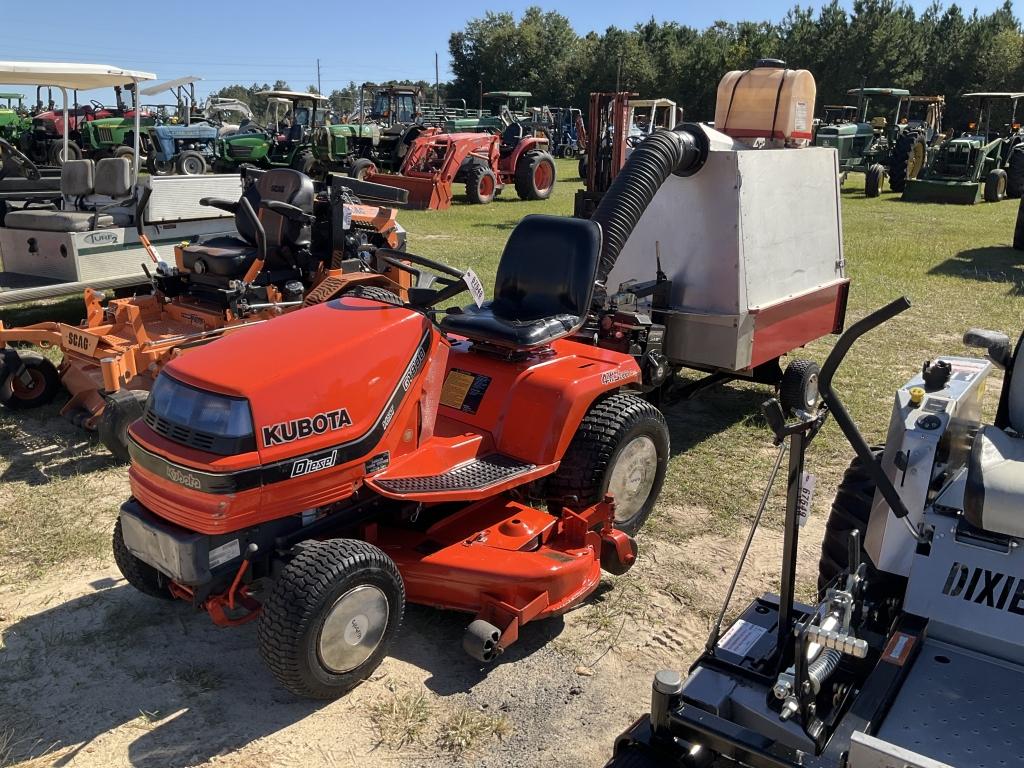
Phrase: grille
(204, 441)
(105, 135)
(239, 151)
(481, 473)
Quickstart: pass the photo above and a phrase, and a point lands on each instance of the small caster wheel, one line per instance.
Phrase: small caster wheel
(481, 640)
(611, 562)
(27, 380)
(798, 390)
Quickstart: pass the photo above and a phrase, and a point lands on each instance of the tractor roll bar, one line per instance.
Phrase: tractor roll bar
(838, 410)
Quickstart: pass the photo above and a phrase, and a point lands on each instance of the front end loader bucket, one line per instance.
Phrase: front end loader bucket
(425, 192)
(932, 191)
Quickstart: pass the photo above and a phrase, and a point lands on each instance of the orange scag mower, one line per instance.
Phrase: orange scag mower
(481, 461)
(296, 247)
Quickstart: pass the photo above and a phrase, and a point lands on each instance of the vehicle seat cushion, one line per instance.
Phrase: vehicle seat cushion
(994, 496)
(56, 221)
(114, 177)
(77, 178)
(287, 186)
(220, 256)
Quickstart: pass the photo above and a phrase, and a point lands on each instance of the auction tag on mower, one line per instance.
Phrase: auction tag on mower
(225, 553)
(346, 217)
(78, 340)
(476, 288)
(806, 498)
(741, 637)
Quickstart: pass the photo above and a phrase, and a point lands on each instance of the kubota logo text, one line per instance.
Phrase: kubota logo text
(297, 429)
(183, 478)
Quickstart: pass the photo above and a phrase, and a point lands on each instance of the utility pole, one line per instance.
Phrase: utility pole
(318, 88)
(437, 82)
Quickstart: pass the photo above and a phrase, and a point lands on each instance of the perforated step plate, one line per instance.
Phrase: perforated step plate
(480, 473)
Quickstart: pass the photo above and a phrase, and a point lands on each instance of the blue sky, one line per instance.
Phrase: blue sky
(254, 40)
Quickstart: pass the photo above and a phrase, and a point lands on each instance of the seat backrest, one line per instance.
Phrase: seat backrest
(512, 135)
(1011, 402)
(287, 186)
(547, 269)
(77, 178)
(114, 177)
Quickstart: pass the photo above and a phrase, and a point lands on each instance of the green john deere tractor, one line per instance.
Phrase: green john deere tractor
(14, 118)
(503, 104)
(986, 161)
(285, 139)
(391, 119)
(887, 134)
(113, 136)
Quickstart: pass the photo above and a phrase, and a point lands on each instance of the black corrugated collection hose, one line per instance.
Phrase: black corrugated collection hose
(681, 151)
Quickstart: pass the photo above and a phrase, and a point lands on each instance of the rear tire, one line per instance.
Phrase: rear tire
(144, 577)
(873, 180)
(995, 186)
(535, 176)
(331, 617)
(190, 163)
(620, 448)
(482, 185)
(581, 168)
(122, 409)
(907, 160)
(19, 395)
(304, 162)
(362, 168)
(56, 153)
(1015, 173)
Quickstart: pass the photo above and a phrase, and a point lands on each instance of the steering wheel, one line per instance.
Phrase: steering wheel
(15, 160)
(452, 285)
(97, 104)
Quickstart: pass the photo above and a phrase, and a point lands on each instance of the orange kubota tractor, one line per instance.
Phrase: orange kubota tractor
(295, 247)
(484, 162)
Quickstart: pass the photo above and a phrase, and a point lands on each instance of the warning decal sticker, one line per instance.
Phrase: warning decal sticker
(463, 390)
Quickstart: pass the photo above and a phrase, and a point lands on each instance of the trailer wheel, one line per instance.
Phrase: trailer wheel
(482, 185)
(56, 154)
(620, 448)
(995, 185)
(1015, 173)
(907, 160)
(362, 168)
(144, 577)
(191, 163)
(798, 390)
(535, 176)
(851, 510)
(873, 180)
(331, 616)
(29, 380)
(121, 409)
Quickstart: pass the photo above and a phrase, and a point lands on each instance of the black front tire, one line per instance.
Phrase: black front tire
(907, 160)
(1015, 173)
(362, 168)
(190, 163)
(144, 577)
(621, 444)
(304, 162)
(995, 186)
(311, 621)
(873, 180)
(121, 409)
(482, 185)
(159, 167)
(18, 394)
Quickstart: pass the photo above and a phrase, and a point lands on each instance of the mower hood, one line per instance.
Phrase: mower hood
(329, 375)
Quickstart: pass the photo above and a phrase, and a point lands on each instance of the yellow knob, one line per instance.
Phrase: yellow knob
(916, 395)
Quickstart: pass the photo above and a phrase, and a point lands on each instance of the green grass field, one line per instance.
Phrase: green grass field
(953, 262)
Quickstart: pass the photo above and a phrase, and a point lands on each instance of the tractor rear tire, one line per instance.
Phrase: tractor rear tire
(620, 448)
(190, 163)
(121, 409)
(56, 153)
(1015, 173)
(907, 160)
(304, 161)
(873, 180)
(995, 186)
(144, 577)
(481, 185)
(851, 510)
(331, 617)
(362, 168)
(375, 293)
(18, 395)
(535, 176)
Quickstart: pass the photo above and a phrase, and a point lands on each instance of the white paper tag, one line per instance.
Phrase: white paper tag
(224, 553)
(346, 217)
(800, 116)
(476, 288)
(741, 637)
(806, 498)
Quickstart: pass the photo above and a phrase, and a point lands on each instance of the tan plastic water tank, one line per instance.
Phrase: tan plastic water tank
(768, 101)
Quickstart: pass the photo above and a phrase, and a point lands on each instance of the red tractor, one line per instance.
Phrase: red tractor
(484, 162)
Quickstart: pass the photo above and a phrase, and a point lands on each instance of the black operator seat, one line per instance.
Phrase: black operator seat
(230, 257)
(543, 288)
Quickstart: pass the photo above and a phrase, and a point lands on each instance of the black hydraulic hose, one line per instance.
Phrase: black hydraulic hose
(838, 410)
(681, 151)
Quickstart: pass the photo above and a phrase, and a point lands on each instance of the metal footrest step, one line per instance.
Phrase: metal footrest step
(480, 473)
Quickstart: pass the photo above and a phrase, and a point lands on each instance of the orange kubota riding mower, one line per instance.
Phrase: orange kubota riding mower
(484, 162)
(295, 247)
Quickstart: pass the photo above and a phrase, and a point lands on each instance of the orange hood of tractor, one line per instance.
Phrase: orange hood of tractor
(315, 378)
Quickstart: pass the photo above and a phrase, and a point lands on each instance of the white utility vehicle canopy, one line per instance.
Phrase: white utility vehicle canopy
(170, 85)
(81, 77)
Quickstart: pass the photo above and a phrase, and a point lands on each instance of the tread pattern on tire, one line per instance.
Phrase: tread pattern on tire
(791, 388)
(525, 174)
(900, 160)
(376, 293)
(586, 461)
(475, 175)
(288, 610)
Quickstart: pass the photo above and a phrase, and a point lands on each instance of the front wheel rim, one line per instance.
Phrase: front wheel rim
(632, 477)
(191, 166)
(542, 177)
(353, 628)
(486, 186)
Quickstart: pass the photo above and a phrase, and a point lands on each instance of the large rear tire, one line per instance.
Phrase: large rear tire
(56, 154)
(1015, 173)
(331, 617)
(620, 448)
(535, 176)
(144, 577)
(907, 160)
